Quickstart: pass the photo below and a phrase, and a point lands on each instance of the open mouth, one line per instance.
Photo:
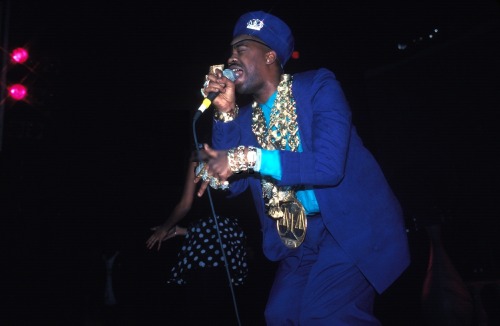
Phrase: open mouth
(237, 71)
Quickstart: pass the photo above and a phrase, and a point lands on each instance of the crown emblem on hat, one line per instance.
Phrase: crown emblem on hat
(255, 24)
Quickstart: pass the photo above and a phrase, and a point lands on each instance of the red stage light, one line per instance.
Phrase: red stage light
(17, 91)
(295, 54)
(19, 55)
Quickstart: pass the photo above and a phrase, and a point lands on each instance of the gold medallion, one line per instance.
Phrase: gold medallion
(293, 224)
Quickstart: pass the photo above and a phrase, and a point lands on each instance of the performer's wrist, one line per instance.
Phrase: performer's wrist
(226, 116)
(242, 159)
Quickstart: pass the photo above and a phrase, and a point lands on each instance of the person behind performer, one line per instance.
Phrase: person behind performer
(327, 212)
(200, 265)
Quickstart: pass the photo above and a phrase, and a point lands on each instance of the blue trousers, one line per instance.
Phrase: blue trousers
(320, 285)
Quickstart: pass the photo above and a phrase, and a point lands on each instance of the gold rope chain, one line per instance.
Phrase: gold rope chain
(282, 133)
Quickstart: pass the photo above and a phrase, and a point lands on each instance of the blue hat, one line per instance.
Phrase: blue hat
(274, 32)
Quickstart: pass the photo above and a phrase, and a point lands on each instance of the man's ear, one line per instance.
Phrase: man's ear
(270, 57)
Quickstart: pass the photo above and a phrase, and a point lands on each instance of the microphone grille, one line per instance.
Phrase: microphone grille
(229, 74)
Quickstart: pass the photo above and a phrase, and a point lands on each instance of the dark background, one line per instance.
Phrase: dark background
(95, 156)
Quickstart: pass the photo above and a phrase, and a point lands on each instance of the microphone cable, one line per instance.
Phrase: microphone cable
(216, 219)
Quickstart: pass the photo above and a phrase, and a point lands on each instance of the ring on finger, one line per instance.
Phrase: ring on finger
(224, 185)
(214, 182)
(200, 170)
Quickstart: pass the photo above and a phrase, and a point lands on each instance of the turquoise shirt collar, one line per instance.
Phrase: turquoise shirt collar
(266, 107)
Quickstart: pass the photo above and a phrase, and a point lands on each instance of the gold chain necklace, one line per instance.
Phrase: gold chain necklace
(282, 134)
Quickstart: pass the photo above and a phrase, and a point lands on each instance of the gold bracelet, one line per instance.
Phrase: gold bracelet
(251, 158)
(226, 116)
(241, 160)
(231, 159)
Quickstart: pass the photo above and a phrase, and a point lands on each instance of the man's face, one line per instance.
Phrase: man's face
(247, 60)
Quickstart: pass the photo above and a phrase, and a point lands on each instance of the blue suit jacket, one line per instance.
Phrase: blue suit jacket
(357, 205)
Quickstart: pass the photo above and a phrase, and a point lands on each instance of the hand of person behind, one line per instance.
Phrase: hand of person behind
(161, 234)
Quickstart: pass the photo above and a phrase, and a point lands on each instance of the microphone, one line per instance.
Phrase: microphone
(229, 74)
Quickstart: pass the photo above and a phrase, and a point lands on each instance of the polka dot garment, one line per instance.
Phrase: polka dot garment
(201, 249)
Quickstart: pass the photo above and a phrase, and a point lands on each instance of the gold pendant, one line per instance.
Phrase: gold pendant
(293, 225)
